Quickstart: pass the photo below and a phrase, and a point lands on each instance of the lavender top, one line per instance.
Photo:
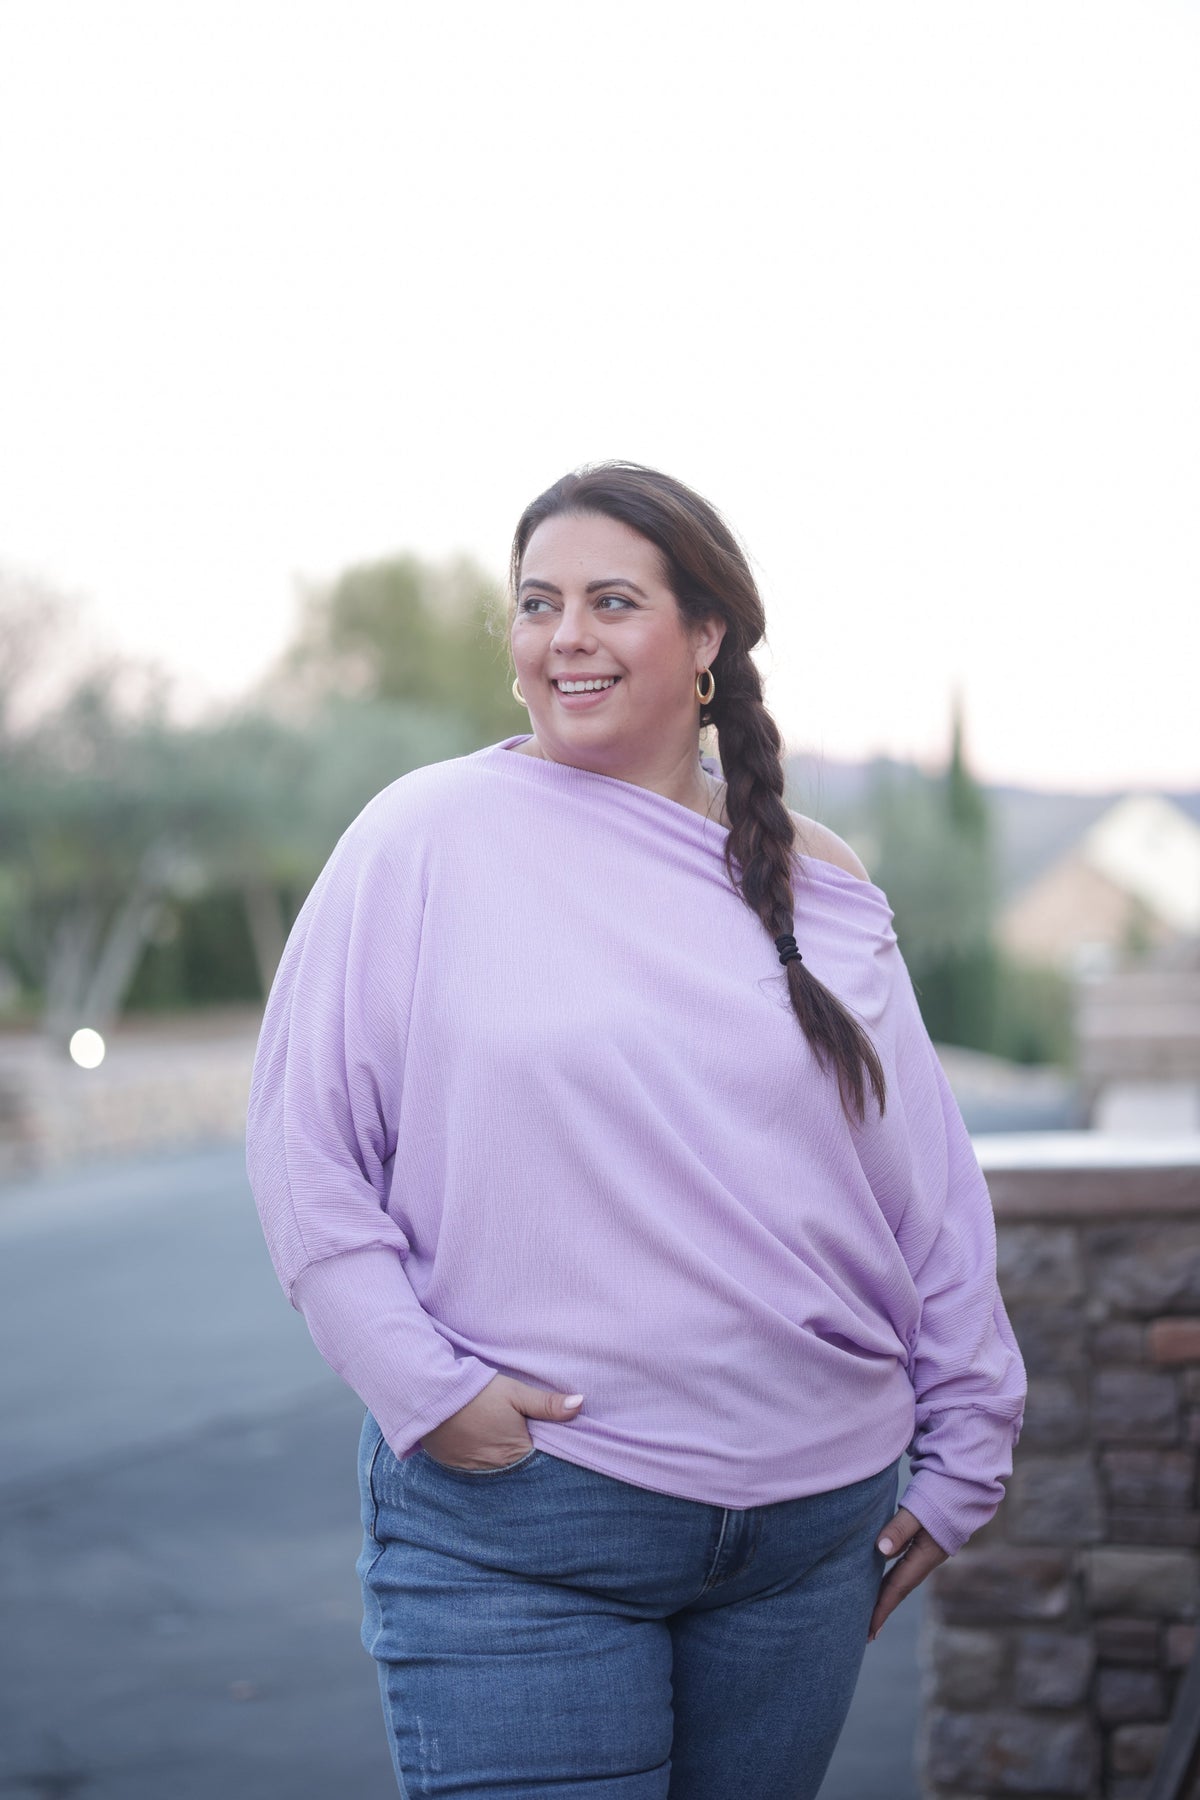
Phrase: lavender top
(530, 1097)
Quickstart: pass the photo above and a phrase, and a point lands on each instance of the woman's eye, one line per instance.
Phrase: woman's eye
(619, 598)
(532, 600)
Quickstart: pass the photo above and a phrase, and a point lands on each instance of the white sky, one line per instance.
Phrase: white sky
(909, 291)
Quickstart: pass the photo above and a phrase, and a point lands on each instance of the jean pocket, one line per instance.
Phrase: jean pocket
(477, 1474)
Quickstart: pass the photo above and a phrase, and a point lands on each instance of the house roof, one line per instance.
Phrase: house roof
(1148, 846)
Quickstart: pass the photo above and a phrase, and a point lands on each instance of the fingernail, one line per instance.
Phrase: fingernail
(886, 1545)
(573, 1400)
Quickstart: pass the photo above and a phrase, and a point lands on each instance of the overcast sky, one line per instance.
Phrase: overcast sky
(909, 291)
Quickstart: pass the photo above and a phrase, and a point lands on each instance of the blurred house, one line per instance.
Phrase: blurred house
(1120, 910)
(1127, 891)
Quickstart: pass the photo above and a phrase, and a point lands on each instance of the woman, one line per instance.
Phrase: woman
(596, 1135)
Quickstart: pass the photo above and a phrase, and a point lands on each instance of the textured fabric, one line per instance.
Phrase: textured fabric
(530, 1098)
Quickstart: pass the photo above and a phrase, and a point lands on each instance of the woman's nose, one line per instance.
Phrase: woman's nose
(574, 630)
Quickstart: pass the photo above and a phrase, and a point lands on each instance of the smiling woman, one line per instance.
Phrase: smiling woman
(605, 661)
(620, 573)
(584, 1070)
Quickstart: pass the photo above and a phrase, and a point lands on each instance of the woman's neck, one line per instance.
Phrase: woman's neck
(702, 793)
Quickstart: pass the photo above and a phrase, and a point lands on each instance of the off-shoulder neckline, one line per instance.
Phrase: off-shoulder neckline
(568, 774)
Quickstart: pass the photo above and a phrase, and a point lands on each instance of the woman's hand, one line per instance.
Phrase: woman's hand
(916, 1554)
(489, 1431)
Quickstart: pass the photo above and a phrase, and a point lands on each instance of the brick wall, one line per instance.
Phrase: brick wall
(1054, 1641)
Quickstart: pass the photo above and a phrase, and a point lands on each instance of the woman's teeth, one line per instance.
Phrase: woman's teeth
(584, 687)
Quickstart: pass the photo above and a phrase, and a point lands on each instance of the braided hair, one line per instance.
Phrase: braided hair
(709, 575)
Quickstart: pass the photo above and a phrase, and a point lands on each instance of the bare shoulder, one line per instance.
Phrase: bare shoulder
(813, 839)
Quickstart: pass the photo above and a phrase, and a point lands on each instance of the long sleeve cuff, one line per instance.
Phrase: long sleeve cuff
(372, 1330)
(952, 1507)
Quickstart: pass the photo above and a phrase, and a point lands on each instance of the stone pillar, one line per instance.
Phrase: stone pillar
(1054, 1641)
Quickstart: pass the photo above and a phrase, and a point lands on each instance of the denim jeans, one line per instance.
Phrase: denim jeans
(543, 1631)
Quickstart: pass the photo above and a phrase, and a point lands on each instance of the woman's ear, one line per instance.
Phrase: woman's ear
(707, 639)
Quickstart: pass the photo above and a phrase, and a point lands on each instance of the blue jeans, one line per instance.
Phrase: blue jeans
(544, 1631)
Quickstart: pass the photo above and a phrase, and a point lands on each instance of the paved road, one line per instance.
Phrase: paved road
(179, 1517)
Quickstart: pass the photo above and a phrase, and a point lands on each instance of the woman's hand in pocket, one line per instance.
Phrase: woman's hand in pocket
(490, 1431)
(917, 1554)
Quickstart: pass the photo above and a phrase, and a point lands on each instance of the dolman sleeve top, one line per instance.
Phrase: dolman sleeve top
(530, 1098)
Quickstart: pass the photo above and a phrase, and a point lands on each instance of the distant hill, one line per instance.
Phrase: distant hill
(1033, 828)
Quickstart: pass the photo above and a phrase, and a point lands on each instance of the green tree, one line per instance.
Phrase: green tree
(933, 856)
(115, 819)
(407, 631)
(94, 841)
(275, 796)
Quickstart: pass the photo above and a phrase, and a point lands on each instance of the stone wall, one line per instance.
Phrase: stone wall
(1055, 1640)
(160, 1087)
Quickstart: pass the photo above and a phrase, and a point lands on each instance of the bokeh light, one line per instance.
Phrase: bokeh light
(87, 1048)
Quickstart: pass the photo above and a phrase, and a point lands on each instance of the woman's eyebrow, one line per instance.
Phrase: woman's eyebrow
(593, 587)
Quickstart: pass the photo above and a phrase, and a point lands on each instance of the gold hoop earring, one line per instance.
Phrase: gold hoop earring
(712, 687)
(517, 694)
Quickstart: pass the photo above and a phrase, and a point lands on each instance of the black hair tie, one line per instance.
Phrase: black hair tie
(786, 946)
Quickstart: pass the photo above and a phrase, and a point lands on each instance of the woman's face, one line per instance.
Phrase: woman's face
(593, 605)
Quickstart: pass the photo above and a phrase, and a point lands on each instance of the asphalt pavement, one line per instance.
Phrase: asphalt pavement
(179, 1611)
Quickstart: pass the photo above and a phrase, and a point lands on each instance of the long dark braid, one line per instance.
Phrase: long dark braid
(758, 856)
(710, 576)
